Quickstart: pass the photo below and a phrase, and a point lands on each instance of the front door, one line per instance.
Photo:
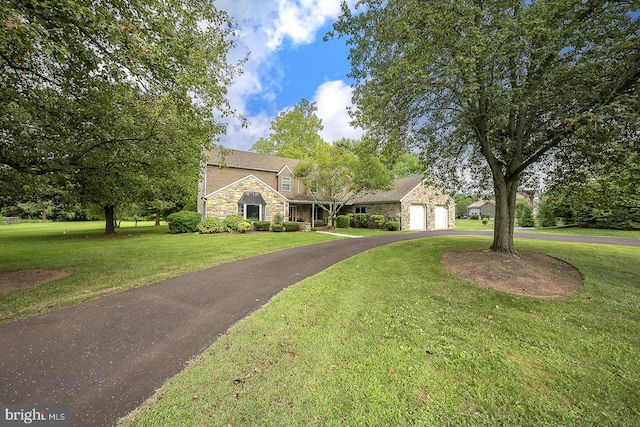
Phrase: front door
(293, 213)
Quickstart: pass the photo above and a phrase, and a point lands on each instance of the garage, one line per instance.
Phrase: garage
(441, 217)
(417, 217)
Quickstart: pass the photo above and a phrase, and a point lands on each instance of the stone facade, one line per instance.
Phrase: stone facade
(400, 210)
(224, 202)
(429, 197)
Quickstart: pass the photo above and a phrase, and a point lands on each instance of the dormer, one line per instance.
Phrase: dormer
(285, 180)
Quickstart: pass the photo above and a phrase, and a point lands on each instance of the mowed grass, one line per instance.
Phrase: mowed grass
(389, 337)
(476, 225)
(100, 265)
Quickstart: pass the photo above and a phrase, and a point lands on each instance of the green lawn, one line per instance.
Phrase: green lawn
(100, 265)
(475, 225)
(389, 337)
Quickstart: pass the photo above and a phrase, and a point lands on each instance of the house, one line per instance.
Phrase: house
(256, 186)
(488, 207)
(259, 186)
(482, 207)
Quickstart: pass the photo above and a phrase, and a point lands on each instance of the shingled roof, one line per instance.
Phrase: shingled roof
(401, 187)
(248, 160)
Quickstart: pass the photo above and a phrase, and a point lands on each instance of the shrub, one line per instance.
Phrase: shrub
(184, 222)
(277, 227)
(352, 219)
(291, 226)
(277, 219)
(361, 220)
(546, 215)
(485, 221)
(343, 221)
(525, 215)
(262, 225)
(392, 225)
(475, 216)
(485, 216)
(378, 220)
(211, 225)
(244, 226)
(231, 223)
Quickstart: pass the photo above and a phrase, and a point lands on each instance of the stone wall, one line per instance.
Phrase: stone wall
(225, 202)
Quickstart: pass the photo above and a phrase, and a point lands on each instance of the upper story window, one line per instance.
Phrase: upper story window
(286, 183)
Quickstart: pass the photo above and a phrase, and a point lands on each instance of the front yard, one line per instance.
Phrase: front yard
(100, 265)
(389, 337)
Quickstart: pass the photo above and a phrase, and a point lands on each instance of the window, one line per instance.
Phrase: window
(253, 212)
(251, 206)
(286, 183)
(318, 214)
(360, 209)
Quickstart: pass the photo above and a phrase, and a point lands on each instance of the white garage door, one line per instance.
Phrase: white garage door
(416, 217)
(442, 217)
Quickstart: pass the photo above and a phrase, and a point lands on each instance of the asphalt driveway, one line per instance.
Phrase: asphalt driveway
(105, 357)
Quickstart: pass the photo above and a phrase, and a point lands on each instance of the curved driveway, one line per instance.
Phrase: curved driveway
(105, 357)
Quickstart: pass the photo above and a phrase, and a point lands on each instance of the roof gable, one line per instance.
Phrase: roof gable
(243, 179)
(480, 203)
(285, 168)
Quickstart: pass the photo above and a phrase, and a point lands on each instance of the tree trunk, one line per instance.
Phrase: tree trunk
(505, 193)
(110, 226)
(157, 218)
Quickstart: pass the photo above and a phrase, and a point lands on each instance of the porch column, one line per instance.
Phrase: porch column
(313, 214)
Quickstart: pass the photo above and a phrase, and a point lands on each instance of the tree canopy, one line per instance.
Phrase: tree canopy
(502, 86)
(341, 173)
(295, 134)
(114, 99)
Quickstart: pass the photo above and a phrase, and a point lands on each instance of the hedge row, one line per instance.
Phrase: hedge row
(366, 221)
(191, 222)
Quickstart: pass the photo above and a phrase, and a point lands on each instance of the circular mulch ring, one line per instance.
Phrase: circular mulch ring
(29, 278)
(531, 274)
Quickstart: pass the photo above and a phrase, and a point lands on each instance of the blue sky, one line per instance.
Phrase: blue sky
(288, 61)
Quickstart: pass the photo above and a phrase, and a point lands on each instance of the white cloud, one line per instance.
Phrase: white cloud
(332, 99)
(243, 138)
(263, 28)
(299, 20)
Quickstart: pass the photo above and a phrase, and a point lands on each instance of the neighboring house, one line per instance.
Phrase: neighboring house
(259, 186)
(488, 207)
(482, 207)
(412, 203)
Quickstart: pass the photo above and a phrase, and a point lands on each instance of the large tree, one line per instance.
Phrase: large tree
(295, 133)
(108, 96)
(501, 85)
